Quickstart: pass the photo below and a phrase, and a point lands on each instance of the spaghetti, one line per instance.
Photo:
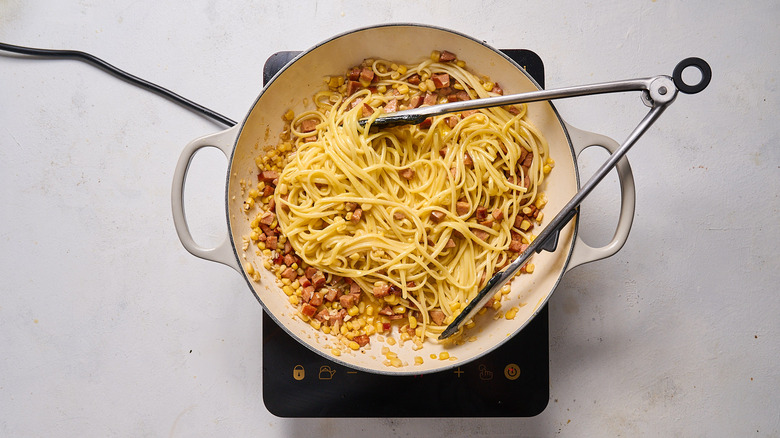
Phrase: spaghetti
(410, 221)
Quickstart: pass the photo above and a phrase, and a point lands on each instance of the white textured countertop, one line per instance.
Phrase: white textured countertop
(108, 327)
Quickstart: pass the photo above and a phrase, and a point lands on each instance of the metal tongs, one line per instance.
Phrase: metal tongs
(657, 93)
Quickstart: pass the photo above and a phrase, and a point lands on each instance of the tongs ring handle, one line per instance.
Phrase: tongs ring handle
(698, 63)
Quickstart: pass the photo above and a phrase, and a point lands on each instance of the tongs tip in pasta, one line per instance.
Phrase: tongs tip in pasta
(657, 93)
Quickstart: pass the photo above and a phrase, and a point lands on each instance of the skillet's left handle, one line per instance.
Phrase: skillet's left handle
(222, 253)
(582, 252)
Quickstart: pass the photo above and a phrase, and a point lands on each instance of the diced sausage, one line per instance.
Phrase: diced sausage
(354, 289)
(289, 273)
(515, 246)
(467, 113)
(441, 80)
(268, 218)
(498, 214)
(467, 160)
(513, 110)
(497, 89)
(268, 175)
(332, 294)
(450, 244)
(452, 121)
(353, 74)
(323, 316)
(353, 86)
(367, 110)
(407, 173)
(460, 96)
(347, 301)
(308, 292)
(287, 247)
(392, 106)
(309, 125)
(386, 311)
(289, 259)
(362, 340)
(426, 123)
(481, 234)
(308, 310)
(443, 151)
(446, 56)
(338, 317)
(462, 208)
(415, 101)
(271, 242)
(399, 215)
(356, 215)
(381, 291)
(437, 316)
(268, 191)
(414, 79)
(316, 299)
(310, 271)
(437, 216)
(318, 279)
(367, 74)
(430, 99)
(481, 213)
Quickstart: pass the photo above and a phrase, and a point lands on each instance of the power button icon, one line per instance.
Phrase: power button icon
(298, 372)
(512, 371)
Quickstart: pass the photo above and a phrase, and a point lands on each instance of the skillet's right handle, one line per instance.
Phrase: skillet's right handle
(222, 253)
(582, 252)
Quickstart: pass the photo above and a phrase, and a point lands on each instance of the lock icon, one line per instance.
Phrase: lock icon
(298, 372)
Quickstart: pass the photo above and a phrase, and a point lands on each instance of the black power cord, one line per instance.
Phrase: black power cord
(103, 65)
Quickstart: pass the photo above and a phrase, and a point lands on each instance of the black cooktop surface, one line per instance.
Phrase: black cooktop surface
(511, 381)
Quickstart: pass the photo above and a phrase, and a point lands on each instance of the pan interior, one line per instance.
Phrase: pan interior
(292, 89)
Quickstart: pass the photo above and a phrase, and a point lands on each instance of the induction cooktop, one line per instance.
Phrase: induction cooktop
(511, 381)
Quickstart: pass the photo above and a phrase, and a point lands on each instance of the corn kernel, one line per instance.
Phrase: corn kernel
(470, 324)
(541, 201)
(288, 290)
(546, 169)
(511, 313)
(422, 87)
(430, 85)
(412, 322)
(326, 330)
(315, 323)
(354, 345)
(403, 89)
(488, 86)
(418, 360)
(335, 352)
(399, 309)
(396, 363)
(353, 311)
(249, 268)
(294, 300)
(382, 89)
(391, 340)
(460, 64)
(402, 69)
(289, 115)
(435, 55)
(390, 355)
(529, 268)
(525, 225)
(369, 310)
(391, 299)
(444, 355)
(454, 306)
(370, 330)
